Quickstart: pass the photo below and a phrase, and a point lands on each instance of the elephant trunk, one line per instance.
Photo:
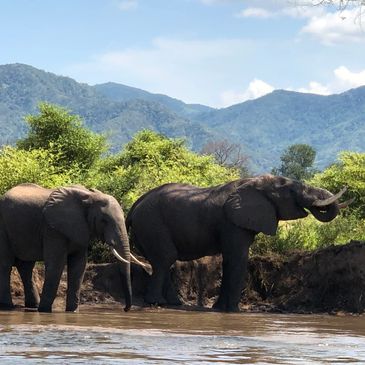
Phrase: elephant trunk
(120, 248)
(325, 214)
(322, 204)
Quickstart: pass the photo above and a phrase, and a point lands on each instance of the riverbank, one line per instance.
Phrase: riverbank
(329, 280)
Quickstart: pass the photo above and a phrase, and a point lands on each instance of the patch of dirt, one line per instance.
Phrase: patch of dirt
(327, 280)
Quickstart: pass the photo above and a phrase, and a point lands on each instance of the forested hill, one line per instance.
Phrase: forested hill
(269, 124)
(264, 126)
(22, 87)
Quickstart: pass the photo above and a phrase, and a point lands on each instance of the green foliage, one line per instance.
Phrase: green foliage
(297, 162)
(150, 160)
(100, 252)
(36, 166)
(63, 134)
(309, 234)
(348, 171)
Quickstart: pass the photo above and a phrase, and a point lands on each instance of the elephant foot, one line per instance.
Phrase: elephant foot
(7, 306)
(152, 301)
(30, 309)
(172, 298)
(232, 309)
(45, 309)
(176, 302)
(219, 305)
(31, 305)
(72, 308)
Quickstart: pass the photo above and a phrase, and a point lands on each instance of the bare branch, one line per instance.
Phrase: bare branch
(227, 154)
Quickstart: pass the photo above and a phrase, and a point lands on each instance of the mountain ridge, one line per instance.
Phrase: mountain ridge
(264, 126)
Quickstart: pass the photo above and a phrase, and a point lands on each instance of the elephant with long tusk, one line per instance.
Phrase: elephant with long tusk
(183, 222)
(56, 226)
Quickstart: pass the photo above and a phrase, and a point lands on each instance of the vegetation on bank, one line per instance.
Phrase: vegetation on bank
(59, 150)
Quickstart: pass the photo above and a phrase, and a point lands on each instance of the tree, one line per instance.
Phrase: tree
(297, 162)
(56, 130)
(340, 4)
(227, 154)
(36, 166)
(150, 160)
(349, 171)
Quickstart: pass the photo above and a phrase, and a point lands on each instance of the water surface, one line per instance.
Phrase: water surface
(107, 335)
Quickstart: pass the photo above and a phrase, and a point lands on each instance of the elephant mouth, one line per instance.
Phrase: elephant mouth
(325, 213)
(304, 212)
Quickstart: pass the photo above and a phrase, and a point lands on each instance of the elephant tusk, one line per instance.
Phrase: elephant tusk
(329, 201)
(147, 267)
(120, 258)
(346, 203)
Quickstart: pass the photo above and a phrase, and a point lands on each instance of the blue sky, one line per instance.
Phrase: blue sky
(213, 52)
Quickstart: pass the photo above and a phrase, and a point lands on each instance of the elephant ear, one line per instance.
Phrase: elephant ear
(64, 211)
(248, 208)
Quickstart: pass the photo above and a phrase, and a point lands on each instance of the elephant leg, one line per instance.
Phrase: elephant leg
(54, 253)
(6, 262)
(220, 303)
(170, 292)
(154, 292)
(235, 257)
(5, 294)
(161, 263)
(25, 269)
(76, 264)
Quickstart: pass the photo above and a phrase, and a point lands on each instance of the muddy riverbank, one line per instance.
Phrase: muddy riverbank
(329, 280)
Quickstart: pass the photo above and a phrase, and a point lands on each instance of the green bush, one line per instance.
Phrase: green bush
(150, 160)
(310, 234)
(348, 171)
(36, 166)
(62, 133)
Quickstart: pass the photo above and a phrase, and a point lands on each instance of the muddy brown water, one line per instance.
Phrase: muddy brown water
(107, 335)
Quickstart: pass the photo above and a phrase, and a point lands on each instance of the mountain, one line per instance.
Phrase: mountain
(118, 92)
(264, 126)
(267, 125)
(22, 87)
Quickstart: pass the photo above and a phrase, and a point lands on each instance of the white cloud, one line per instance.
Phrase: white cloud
(275, 9)
(347, 79)
(315, 88)
(126, 5)
(255, 13)
(338, 27)
(343, 80)
(255, 89)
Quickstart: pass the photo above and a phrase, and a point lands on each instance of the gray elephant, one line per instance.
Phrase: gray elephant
(183, 222)
(56, 226)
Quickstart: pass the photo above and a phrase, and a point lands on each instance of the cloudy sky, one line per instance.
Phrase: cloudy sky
(212, 52)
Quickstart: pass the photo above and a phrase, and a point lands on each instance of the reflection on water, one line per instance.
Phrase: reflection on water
(106, 335)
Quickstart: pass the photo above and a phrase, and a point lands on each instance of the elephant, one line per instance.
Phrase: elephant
(183, 222)
(56, 226)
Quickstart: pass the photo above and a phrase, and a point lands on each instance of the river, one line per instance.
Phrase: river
(107, 335)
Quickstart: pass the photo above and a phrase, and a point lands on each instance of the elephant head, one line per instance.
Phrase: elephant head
(81, 214)
(259, 203)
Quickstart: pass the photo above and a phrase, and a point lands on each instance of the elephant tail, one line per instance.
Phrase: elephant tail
(128, 220)
(133, 239)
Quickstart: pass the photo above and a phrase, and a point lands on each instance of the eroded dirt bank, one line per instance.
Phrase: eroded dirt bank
(326, 280)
